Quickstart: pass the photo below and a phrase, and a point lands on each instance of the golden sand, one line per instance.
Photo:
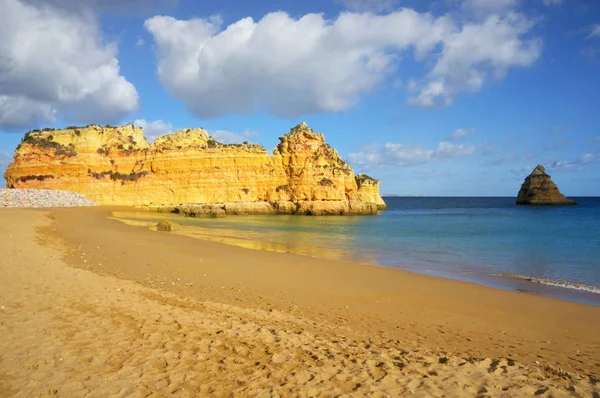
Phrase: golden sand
(92, 307)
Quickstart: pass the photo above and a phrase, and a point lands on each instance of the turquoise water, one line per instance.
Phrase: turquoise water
(485, 240)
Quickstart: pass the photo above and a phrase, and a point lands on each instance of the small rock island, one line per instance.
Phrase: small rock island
(539, 189)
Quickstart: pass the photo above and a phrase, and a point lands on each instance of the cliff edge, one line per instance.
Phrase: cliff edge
(116, 166)
(539, 189)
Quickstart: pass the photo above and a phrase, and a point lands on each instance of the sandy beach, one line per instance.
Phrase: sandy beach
(93, 307)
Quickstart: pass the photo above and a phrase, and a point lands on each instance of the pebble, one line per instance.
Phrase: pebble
(42, 198)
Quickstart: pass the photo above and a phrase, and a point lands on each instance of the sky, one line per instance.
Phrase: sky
(432, 97)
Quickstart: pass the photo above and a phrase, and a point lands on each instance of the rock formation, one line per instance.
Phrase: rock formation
(539, 189)
(190, 172)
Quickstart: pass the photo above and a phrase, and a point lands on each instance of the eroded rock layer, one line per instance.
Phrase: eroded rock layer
(539, 189)
(117, 166)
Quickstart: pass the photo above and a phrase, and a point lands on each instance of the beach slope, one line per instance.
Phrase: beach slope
(116, 310)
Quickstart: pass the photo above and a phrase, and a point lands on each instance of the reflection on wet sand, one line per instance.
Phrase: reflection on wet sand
(258, 233)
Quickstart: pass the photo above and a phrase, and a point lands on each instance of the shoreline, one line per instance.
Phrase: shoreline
(557, 289)
(139, 310)
(288, 282)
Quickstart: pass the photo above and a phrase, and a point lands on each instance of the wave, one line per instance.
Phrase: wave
(550, 282)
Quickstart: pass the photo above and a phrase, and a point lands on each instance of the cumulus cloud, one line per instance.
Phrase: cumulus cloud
(155, 129)
(291, 67)
(476, 54)
(462, 133)
(54, 65)
(392, 154)
(368, 5)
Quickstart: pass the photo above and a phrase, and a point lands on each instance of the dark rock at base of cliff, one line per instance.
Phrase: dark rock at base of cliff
(301, 208)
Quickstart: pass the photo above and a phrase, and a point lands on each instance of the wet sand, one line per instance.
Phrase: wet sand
(91, 305)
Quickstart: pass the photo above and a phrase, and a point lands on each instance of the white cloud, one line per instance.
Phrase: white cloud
(291, 67)
(564, 165)
(54, 65)
(595, 31)
(552, 2)
(139, 43)
(476, 54)
(368, 5)
(155, 129)
(228, 137)
(462, 133)
(582, 162)
(392, 154)
(590, 158)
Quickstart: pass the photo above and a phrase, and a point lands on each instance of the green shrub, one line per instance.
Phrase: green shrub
(116, 176)
(211, 143)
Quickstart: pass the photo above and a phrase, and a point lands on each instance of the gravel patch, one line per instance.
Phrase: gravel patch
(42, 198)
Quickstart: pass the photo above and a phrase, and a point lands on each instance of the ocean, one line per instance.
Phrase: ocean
(551, 251)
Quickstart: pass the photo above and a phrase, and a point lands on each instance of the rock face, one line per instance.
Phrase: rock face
(188, 168)
(539, 189)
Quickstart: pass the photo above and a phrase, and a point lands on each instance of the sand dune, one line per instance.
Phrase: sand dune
(70, 332)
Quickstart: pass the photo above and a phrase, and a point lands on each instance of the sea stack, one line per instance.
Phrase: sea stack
(539, 189)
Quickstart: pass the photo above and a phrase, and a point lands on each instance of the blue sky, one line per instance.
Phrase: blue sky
(442, 97)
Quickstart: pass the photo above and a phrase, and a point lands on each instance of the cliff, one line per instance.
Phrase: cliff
(368, 190)
(539, 189)
(117, 166)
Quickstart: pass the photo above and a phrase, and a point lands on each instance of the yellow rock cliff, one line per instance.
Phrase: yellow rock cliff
(117, 166)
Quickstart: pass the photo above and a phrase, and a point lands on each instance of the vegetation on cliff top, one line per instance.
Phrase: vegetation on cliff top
(46, 143)
(364, 177)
